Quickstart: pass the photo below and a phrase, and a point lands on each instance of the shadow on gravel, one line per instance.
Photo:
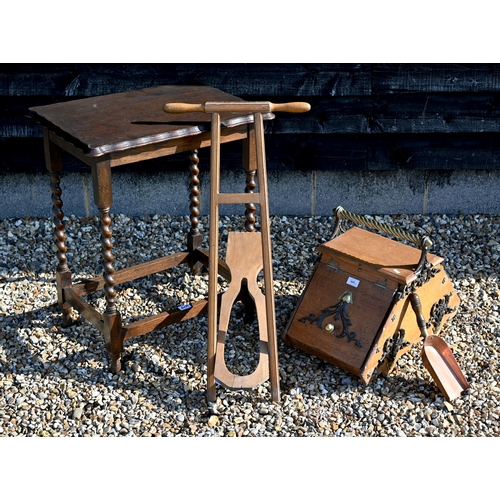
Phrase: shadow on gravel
(35, 343)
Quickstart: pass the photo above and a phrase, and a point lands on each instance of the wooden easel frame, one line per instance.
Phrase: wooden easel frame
(217, 198)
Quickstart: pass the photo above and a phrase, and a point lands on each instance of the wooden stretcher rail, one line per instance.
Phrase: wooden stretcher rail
(176, 315)
(238, 198)
(133, 272)
(202, 256)
(86, 310)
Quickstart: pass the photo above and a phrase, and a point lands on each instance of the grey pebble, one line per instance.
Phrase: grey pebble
(77, 413)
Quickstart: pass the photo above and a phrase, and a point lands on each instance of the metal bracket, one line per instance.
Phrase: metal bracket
(392, 346)
(338, 311)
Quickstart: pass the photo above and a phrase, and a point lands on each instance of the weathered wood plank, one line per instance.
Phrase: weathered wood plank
(304, 153)
(363, 116)
(450, 78)
(409, 113)
(325, 79)
(383, 152)
(37, 79)
(434, 152)
(76, 80)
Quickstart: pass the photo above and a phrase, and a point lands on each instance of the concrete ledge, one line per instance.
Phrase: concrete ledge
(291, 193)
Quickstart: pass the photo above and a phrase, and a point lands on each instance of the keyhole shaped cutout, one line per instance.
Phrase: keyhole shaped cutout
(244, 259)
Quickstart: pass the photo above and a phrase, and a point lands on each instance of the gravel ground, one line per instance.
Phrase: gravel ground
(55, 381)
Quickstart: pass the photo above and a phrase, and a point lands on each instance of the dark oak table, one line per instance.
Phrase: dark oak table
(121, 129)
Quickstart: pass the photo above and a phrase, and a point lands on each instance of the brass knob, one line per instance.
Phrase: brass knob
(329, 328)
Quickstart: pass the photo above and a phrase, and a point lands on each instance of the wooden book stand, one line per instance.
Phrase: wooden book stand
(247, 253)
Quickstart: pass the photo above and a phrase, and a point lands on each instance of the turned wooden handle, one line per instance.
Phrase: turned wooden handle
(183, 107)
(291, 107)
(417, 308)
(237, 107)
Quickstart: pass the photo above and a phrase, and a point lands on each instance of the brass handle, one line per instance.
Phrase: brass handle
(329, 328)
(237, 107)
(340, 213)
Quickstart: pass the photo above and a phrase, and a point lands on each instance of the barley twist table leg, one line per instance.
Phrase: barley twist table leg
(63, 274)
(250, 167)
(194, 189)
(195, 237)
(60, 236)
(107, 246)
(250, 207)
(113, 335)
(103, 197)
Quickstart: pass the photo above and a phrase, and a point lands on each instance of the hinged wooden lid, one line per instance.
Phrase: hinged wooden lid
(389, 257)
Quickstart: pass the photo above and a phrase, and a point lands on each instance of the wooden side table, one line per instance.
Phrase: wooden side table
(120, 129)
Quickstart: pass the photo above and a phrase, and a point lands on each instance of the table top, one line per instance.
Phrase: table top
(119, 122)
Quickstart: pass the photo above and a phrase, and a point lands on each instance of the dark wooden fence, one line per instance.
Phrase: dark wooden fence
(363, 116)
